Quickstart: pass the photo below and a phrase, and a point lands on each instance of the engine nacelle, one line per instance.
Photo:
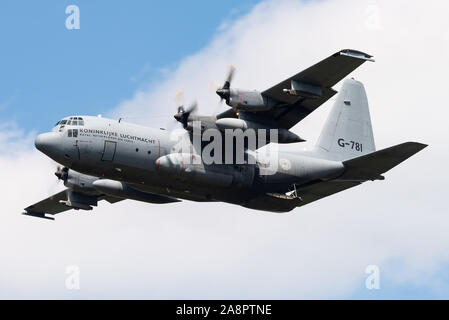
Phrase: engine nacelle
(249, 100)
(75, 180)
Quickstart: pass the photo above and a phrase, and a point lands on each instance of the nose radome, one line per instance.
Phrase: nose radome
(48, 142)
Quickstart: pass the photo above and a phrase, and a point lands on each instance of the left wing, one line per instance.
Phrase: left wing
(321, 76)
(310, 89)
(316, 82)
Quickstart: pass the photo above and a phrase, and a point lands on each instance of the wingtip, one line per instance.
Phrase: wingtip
(356, 54)
(419, 144)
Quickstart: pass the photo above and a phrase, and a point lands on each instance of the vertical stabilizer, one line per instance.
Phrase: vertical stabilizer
(347, 132)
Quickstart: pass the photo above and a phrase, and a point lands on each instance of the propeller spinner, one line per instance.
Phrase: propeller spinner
(62, 173)
(183, 115)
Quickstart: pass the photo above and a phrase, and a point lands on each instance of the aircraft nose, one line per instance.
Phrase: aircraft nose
(48, 143)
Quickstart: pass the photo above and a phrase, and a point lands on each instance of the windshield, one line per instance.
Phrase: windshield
(72, 121)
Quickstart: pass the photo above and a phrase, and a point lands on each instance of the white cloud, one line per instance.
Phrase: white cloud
(192, 250)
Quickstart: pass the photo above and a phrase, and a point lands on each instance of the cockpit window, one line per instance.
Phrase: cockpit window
(72, 121)
(56, 123)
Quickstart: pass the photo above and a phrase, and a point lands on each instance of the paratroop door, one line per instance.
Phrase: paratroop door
(109, 150)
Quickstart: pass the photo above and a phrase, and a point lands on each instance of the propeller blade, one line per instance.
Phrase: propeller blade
(213, 87)
(179, 99)
(225, 92)
(193, 107)
(228, 81)
(53, 188)
(183, 115)
(171, 125)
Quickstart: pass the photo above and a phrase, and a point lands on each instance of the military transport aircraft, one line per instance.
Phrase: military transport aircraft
(106, 159)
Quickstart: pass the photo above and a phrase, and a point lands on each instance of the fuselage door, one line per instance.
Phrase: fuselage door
(109, 150)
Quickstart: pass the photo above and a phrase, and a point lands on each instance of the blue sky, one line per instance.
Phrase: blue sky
(319, 251)
(48, 72)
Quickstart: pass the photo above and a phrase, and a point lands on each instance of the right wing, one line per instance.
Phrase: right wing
(52, 205)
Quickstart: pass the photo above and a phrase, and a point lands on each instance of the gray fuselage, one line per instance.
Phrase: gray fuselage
(150, 160)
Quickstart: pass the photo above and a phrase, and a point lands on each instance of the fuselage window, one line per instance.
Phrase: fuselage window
(75, 133)
(69, 133)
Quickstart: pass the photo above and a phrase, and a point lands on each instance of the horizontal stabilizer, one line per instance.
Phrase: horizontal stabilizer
(372, 165)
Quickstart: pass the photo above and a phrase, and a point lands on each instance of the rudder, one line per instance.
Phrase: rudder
(347, 132)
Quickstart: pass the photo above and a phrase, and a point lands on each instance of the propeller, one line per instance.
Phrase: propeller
(62, 174)
(225, 92)
(183, 115)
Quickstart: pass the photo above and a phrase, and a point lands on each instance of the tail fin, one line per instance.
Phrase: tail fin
(347, 133)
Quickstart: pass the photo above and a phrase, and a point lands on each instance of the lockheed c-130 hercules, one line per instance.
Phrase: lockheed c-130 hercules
(112, 160)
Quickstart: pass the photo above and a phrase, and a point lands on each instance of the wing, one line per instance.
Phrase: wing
(321, 76)
(317, 80)
(324, 74)
(52, 205)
